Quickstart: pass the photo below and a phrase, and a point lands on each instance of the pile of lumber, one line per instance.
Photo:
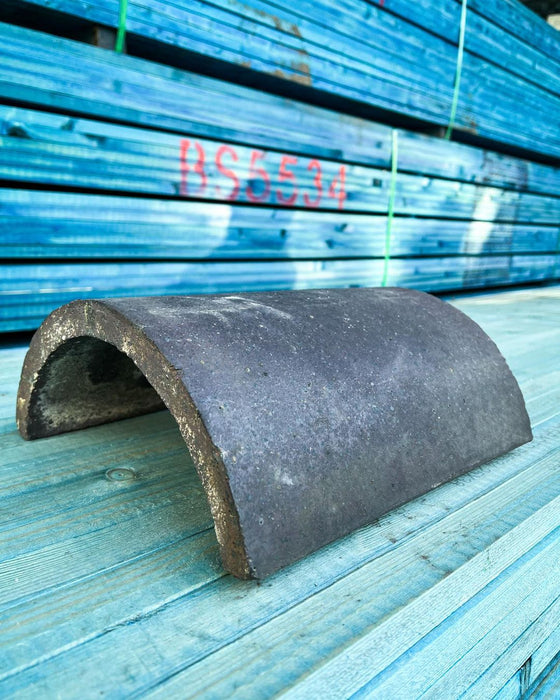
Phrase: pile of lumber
(123, 176)
(391, 55)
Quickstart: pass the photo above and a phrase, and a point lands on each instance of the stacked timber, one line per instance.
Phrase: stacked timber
(121, 176)
(391, 55)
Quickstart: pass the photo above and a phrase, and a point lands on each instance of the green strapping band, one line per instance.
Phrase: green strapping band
(460, 50)
(121, 31)
(391, 208)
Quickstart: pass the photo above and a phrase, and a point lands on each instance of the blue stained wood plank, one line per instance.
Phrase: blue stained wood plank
(89, 506)
(342, 186)
(51, 224)
(548, 686)
(220, 607)
(10, 369)
(346, 673)
(417, 153)
(511, 691)
(528, 652)
(543, 657)
(463, 647)
(28, 292)
(405, 67)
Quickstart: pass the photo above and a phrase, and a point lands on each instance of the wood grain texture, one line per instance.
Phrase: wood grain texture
(28, 292)
(404, 60)
(39, 225)
(65, 150)
(115, 586)
(114, 127)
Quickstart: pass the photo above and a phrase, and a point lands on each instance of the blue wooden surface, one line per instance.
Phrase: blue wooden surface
(59, 150)
(60, 225)
(47, 149)
(464, 218)
(386, 55)
(68, 75)
(114, 586)
(29, 292)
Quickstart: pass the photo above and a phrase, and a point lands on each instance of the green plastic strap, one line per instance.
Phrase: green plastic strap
(458, 70)
(391, 208)
(121, 31)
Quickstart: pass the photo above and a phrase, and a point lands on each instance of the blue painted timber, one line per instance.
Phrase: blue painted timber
(28, 292)
(75, 77)
(390, 57)
(46, 224)
(38, 147)
(464, 218)
(111, 582)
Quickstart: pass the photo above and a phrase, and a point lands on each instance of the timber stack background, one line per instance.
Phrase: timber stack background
(250, 146)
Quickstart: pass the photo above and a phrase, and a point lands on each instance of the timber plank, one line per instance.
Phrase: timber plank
(528, 652)
(404, 62)
(59, 225)
(220, 608)
(28, 292)
(463, 647)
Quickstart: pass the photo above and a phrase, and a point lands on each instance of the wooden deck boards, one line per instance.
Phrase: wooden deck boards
(114, 586)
